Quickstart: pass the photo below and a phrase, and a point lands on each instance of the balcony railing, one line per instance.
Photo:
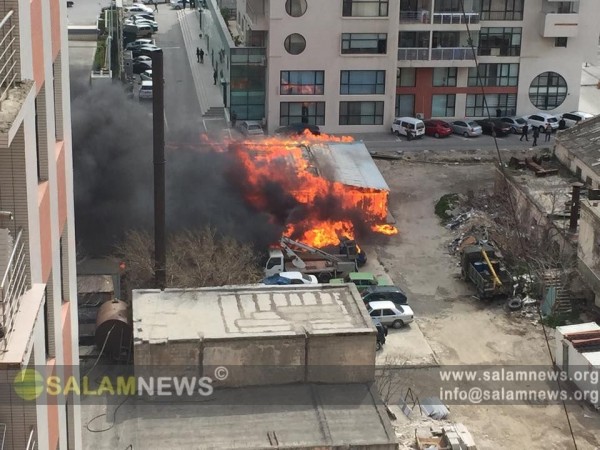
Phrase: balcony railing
(419, 16)
(437, 54)
(469, 18)
(8, 55)
(13, 285)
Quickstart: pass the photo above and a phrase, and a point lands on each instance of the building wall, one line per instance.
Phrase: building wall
(588, 175)
(588, 247)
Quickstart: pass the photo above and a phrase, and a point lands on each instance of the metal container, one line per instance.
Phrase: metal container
(114, 330)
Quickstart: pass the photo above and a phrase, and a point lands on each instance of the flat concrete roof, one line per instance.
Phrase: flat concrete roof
(290, 416)
(349, 163)
(588, 326)
(583, 141)
(247, 311)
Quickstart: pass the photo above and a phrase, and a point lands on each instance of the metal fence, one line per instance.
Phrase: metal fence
(413, 54)
(8, 51)
(452, 54)
(13, 285)
(456, 18)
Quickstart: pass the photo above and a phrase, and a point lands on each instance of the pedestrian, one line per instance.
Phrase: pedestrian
(201, 56)
(198, 54)
(548, 132)
(536, 134)
(409, 134)
(215, 74)
(155, 5)
(525, 132)
(562, 124)
(233, 119)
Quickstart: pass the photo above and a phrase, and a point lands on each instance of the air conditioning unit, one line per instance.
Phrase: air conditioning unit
(420, 116)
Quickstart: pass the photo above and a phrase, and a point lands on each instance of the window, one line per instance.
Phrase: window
(388, 312)
(295, 8)
(446, 39)
(37, 142)
(560, 42)
(499, 41)
(502, 9)
(444, 76)
(548, 90)
(295, 44)
(302, 82)
(302, 112)
(361, 113)
(365, 8)
(405, 105)
(360, 82)
(413, 39)
(406, 77)
(494, 75)
(364, 43)
(506, 103)
(443, 105)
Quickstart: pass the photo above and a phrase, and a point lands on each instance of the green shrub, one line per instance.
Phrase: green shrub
(445, 203)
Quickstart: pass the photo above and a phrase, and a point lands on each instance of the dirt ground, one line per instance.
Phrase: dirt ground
(460, 329)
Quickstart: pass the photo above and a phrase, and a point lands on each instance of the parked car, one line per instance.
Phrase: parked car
(251, 128)
(390, 314)
(178, 4)
(574, 117)
(145, 91)
(299, 277)
(540, 120)
(467, 128)
(146, 75)
(389, 293)
(494, 126)
(145, 16)
(143, 58)
(142, 22)
(144, 50)
(298, 128)
(135, 9)
(402, 125)
(382, 332)
(139, 30)
(141, 66)
(139, 43)
(362, 280)
(516, 124)
(437, 128)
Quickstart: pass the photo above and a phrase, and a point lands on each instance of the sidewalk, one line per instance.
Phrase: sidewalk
(209, 95)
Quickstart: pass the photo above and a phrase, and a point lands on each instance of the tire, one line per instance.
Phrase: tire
(378, 346)
(465, 134)
(541, 128)
(515, 304)
(397, 133)
(398, 324)
(436, 135)
(514, 130)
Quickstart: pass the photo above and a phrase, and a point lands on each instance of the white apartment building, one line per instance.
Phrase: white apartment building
(352, 65)
(38, 303)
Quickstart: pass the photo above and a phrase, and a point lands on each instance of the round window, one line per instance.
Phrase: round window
(548, 90)
(295, 44)
(295, 8)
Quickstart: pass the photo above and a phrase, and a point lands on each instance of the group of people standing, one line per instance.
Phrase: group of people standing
(536, 134)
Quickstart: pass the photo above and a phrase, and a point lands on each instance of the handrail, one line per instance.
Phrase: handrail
(6, 17)
(14, 284)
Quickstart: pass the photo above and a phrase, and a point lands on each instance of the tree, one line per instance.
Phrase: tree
(195, 258)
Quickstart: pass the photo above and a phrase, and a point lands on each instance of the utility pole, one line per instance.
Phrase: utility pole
(158, 124)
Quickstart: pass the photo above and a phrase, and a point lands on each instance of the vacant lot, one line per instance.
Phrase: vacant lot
(460, 329)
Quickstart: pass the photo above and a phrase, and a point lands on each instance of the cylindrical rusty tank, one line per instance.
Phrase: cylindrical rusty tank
(114, 330)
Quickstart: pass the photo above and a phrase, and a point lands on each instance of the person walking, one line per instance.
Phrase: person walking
(562, 124)
(215, 74)
(198, 54)
(524, 133)
(233, 119)
(155, 5)
(536, 134)
(548, 132)
(201, 56)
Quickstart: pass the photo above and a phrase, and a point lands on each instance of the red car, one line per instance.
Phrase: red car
(437, 128)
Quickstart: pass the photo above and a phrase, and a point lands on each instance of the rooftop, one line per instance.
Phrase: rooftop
(583, 141)
(349, 163)
(247, 311)
(306, 416)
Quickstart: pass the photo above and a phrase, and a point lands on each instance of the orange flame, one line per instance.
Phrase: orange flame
(328, 209)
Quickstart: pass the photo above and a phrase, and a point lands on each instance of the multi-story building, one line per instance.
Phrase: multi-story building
(38, 304)
(355, 64)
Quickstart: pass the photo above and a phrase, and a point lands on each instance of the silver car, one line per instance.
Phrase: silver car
(467, 128)
(251, 128)
(516, 124)
(390, 314)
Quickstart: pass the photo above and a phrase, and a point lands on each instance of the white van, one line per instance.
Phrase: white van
(401, 124)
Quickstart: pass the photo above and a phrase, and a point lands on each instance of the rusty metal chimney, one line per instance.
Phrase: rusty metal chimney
(575, 206)
(158, 135)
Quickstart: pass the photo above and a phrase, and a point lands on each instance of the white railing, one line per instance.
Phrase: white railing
(8, 55)
(413, 54)
(13, 285)
(452, 54)
(456, 18)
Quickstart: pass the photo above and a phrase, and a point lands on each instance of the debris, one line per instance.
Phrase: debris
(434, 408)
(386, 155)
(529, 301)
(514, 304)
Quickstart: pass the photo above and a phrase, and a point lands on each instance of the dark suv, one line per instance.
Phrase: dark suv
(379, 293)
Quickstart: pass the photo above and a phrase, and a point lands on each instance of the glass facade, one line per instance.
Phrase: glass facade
(359, 82)
(361, 113)
(247, 83)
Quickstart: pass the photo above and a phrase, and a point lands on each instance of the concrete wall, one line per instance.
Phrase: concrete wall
(573, 163)
(588, 248)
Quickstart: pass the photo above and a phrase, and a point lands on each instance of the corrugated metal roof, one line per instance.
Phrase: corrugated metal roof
(583, 141)
(349, 163)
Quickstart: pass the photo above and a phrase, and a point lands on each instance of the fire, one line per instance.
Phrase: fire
(279, 176)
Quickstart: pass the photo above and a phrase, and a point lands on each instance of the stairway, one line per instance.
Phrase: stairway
(554, 279)
(217, 112)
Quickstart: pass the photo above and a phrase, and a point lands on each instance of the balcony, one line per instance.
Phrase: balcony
(14, 282)
(454, 18)
(452, 54)
(560, 25)
(14, 92)
(436, 57)
(413, 54)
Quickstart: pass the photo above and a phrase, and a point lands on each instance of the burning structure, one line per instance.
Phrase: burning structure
(318, 188)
